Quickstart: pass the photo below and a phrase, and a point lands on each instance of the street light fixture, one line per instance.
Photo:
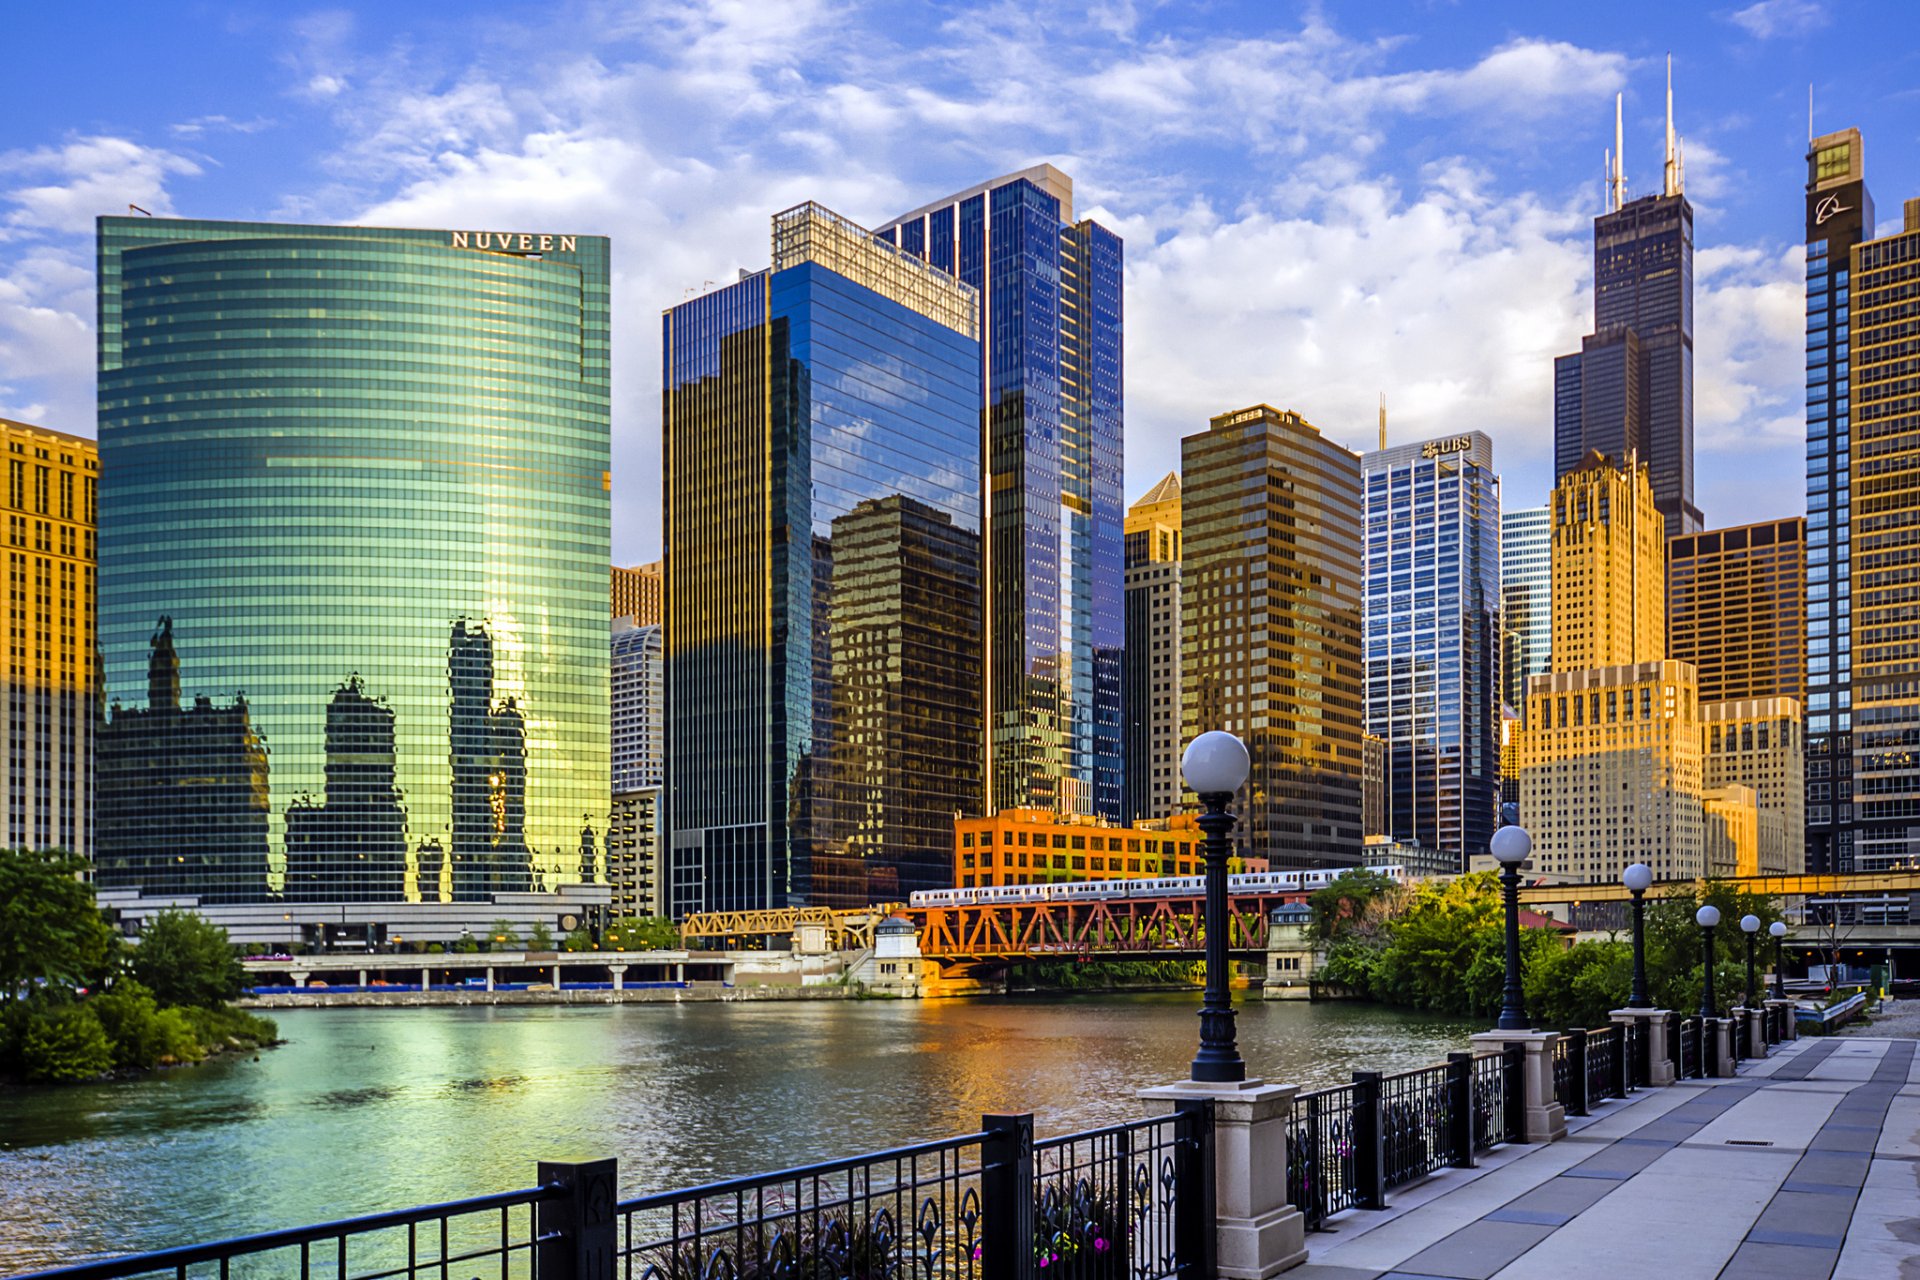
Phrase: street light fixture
(1750, 925)
(1638, 878)
(1215, 765)
(1510, 847)
(1708, 918)
(1779, 931)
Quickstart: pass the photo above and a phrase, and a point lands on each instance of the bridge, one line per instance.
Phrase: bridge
(1808, 886)
(845, 930)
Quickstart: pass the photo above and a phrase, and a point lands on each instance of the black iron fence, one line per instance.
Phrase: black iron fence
(1130, 1202)
(1687, 1059)
(1567, 1088)
(1349, 1145)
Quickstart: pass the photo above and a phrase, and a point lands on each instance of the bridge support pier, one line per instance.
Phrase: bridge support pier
(619, 972)
(1653, 1031)
(1258, 1233)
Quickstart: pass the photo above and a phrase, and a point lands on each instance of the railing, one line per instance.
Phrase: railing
(1742, 1031)
(1604, 1060)
(1689, 1066)
(1125, 1201)
(493, 1235)
(1349, 1145)
(1566, 1086)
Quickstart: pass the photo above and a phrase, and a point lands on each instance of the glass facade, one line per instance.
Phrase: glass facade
(1526, 599)
(354, 550)
(823, 631)
(1737, 609)
(637, 677)
(1631, 385)
(1271, 589)
(1839, 215)
(1433, 640)
(1052, 368)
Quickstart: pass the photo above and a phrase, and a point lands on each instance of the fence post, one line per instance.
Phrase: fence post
(1622, 1060)
(1369, 1142)
(1006, 1197)
(1513, 1088)
(1195, 1233)
(575, 1233)
(1578, 1103)
(1460, 1105)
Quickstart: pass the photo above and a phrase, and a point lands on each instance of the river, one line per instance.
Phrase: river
(369, 1109)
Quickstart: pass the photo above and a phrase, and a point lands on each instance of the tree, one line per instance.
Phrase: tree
(502, 936)
(64, 1044)
(1355, 903)
(643, 933)
(539, 937)
(50, 932)
(185, 960)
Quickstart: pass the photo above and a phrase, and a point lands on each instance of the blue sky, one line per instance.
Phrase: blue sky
(1320, 203)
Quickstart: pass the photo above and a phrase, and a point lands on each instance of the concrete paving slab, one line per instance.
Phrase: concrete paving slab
(1477, 1251)
(1801, 1212)
(1843, 1140)
(1320, 1271)
(1883, 1240)
(1801, 1239)
(1837, 1067)
(1786, 1119)
(1570, 1196)
(1734, 1164)
(1835, 1168)
(1758, 1261)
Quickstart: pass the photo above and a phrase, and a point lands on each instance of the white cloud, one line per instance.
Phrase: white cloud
(68, 185)
(1770, 18)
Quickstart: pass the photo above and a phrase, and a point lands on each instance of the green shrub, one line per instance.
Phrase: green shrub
(186, 960)
(228, 1027)
(65, 1043)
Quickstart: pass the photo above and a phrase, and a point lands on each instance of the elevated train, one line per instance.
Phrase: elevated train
(1155, 887)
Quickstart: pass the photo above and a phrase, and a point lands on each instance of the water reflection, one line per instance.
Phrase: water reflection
(369, 1109)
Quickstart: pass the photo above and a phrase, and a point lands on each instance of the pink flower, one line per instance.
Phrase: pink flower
(1099, 1244)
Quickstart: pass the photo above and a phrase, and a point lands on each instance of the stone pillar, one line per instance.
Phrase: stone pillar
(426, 979)
(556, 975)
(363, 977)
(680, 973)
(489, 977)
(1653, 1025)
(619, 972)
(1721, 1029)
(1546, 1118)
(1756, 1032)
(299, 976)
(1259, 1233)
(1790, 1030)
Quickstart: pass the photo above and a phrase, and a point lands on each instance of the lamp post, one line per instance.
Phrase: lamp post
(1750, 925)
(1779, 931)
(1215, 764)
(1510, 847)
(1707, 917)
(1637, 878)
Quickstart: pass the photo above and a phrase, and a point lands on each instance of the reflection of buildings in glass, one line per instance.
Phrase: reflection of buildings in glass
(905, 662)
(351, 846)
(1270, 602)
(589, 851)
(50, 693)
(489, 766)
(182, 806)
(430, 864)
(442, 454)
(1053, 556)
(1433, 642)
(847, 374)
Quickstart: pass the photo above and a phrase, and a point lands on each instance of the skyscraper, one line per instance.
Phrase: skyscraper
(1839, 217)
(1433, 639)
(359, 476)
(636, 593)
(1737, 609)
(51, 693)
(1271, 600)
(638, 683)
(1153, 652)
(1609, 579)
(826, 408)
(1526, 598)
(1051, 365)
(1629, 390)
(1885, 485)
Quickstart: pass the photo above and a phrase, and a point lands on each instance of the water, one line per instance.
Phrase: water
(371, 1109)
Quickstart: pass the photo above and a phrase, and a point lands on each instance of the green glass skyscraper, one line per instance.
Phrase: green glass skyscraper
(352, 604)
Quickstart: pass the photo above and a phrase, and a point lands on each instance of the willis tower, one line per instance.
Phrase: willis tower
(1629, 389)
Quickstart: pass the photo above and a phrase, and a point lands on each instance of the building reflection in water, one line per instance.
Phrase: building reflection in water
(182, 801)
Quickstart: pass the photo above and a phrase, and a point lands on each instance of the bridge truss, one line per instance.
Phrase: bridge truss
(1126, 928)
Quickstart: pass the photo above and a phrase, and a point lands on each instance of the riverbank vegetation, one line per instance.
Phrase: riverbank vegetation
(1103, 975)
(77, 1003)
(1440, 946)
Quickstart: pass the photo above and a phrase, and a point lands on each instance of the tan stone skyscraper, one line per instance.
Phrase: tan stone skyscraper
(1609, 568)
(51, 689)
(1152, 664)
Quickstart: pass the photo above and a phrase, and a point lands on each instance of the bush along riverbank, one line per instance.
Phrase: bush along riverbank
(1104, 975)
(76, 1003)
(1441, 947)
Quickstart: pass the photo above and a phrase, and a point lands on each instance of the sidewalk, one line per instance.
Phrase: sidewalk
(1806, 1165)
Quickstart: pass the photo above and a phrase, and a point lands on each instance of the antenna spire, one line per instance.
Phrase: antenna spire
(1617, 180)
(1383, 419)
(1674, 182)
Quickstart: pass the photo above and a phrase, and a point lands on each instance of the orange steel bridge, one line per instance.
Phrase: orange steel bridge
(1122, 928)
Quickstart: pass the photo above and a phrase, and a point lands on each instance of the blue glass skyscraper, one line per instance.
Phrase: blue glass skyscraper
(823, 648)
(1433, 639)
(1052, 371)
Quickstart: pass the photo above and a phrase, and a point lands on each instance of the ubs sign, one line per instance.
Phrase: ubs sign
(513, 242)
(1440, 448)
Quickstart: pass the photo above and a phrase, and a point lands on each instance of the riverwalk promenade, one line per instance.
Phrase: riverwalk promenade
(1806, 1164)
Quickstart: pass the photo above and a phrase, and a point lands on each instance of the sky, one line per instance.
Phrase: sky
(1321, 204)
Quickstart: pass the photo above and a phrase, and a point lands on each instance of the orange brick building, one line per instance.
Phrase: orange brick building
(1038, 846)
